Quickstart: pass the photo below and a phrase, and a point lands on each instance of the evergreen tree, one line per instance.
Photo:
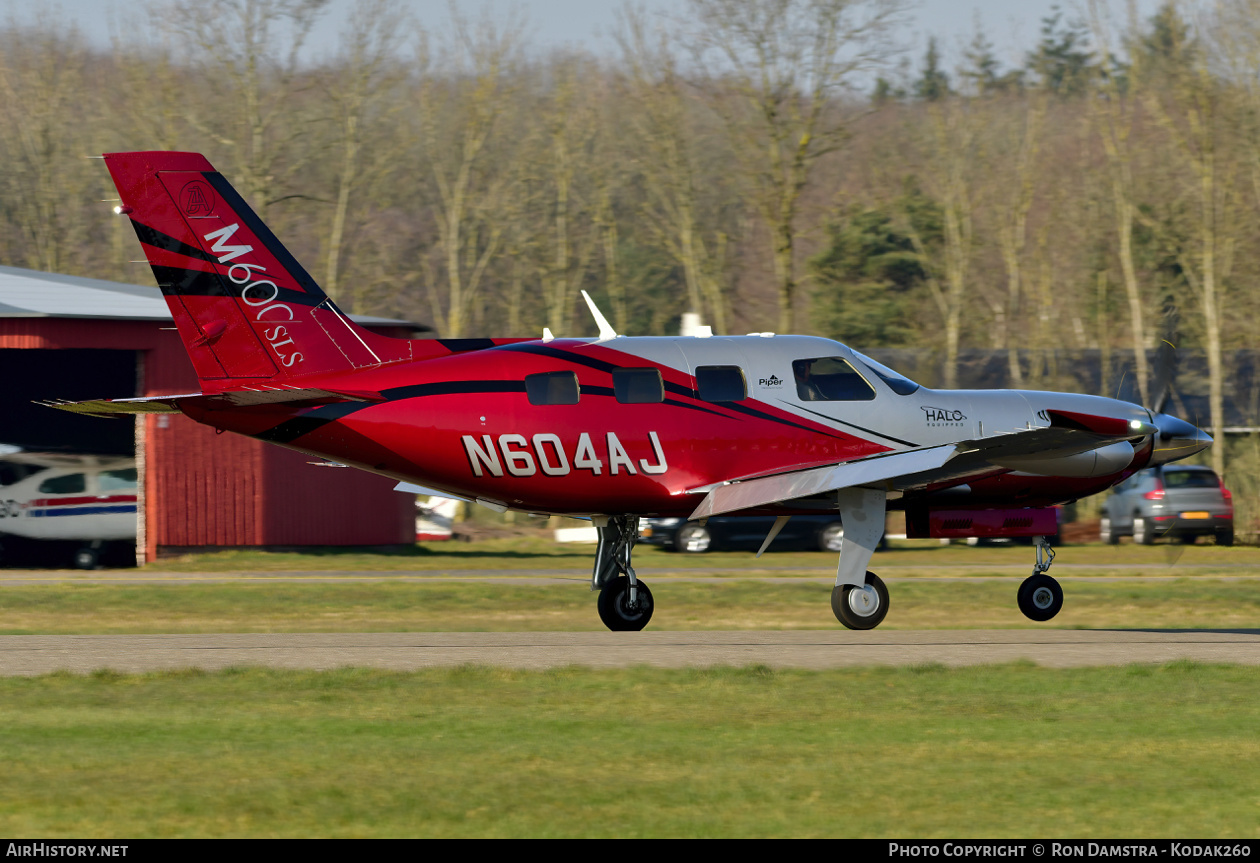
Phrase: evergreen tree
(1063, 62)
(869, 280)
(933, 83)
(1168, 45)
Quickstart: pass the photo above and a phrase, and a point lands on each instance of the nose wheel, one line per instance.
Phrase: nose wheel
(1040, 597)
(862, 607)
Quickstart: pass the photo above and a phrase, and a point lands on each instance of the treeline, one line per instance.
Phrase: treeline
(770, 164)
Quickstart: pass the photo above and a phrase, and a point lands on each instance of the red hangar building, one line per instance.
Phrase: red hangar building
(64, 337)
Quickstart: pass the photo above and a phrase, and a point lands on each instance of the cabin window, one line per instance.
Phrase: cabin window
(552, 388)
(11, 472)
(830, 379)
(638, 386)
(118, 480)
(721, 383)
(71, 483)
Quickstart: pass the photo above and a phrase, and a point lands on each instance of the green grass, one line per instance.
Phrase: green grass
(385, 606)
(997, 751)
(539, 552)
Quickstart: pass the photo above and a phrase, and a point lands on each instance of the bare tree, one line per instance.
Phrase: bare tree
(668, 147)
(45, 116)
(247, 52)
(1015, 201)
(775, 71)
(460, 114)
(1113, 110)
(1191, 110)
(362, 89)
(566, 238)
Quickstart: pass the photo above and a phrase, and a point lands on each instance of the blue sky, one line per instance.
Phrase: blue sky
(1012, 27)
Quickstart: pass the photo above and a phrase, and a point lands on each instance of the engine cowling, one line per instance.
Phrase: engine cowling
(1104, 461)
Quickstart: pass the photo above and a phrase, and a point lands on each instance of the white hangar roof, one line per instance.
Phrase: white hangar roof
(34, 294)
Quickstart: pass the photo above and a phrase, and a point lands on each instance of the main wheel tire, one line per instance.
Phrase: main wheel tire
(1143, 531)
(861, 607)
(614, 610)
(1225, 535)
(1040, 597)
(831, 537)
(1106, 532)
(86, 558)
(693, 538)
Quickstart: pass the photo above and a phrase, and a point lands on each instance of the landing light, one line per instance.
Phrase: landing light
(1135, 424)
(121, 210)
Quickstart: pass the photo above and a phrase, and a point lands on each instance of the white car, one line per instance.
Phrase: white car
(54, 502)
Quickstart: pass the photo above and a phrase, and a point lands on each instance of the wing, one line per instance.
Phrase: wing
(948, 464)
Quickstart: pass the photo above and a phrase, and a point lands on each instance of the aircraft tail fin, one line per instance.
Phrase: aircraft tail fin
(245, 308)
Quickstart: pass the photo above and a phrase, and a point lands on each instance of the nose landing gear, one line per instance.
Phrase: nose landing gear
(625, 603)
(1040, 597)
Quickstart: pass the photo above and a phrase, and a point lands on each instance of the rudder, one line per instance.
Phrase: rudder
(245, 308)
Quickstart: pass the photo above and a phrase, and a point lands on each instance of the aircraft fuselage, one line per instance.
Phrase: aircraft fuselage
(466, 424)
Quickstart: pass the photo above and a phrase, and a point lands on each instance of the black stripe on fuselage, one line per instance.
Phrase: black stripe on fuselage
(459, 346)
(557, 353)
(750, 411)
(676, 389)
(292, 429)
(860, 428)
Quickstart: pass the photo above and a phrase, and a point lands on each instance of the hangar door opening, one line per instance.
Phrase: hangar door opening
(68, 483)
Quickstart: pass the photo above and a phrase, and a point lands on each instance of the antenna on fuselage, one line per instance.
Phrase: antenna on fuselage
(605, 329)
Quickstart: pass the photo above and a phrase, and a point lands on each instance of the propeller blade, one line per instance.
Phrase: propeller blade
(1165, 362)
(1165, 371)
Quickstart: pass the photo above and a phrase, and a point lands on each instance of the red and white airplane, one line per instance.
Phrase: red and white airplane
(615, 428)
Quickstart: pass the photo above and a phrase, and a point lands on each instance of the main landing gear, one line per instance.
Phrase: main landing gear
(625, 603)
(859, 600)
(1040, 596)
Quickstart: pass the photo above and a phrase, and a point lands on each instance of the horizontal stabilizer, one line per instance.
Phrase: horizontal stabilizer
(290, 396)
(121, 407)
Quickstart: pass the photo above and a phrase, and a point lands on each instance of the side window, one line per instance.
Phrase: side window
(72, 483)
(552, 388)
(11, 472)
(638, 386)
(721, 383)
(830, 379)
(118, 480)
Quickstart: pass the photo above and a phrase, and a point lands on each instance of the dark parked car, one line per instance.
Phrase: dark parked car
(822, 531)
(1179, 501)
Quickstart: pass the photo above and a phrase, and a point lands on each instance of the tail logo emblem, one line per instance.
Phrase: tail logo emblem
(196, 199)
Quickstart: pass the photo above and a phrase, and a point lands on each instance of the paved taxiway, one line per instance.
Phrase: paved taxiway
(568, 575)
(40, 654)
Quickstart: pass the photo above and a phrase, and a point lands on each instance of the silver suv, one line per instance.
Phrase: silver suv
(1178, 501)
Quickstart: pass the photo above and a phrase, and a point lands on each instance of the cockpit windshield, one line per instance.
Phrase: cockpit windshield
(898, 383)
